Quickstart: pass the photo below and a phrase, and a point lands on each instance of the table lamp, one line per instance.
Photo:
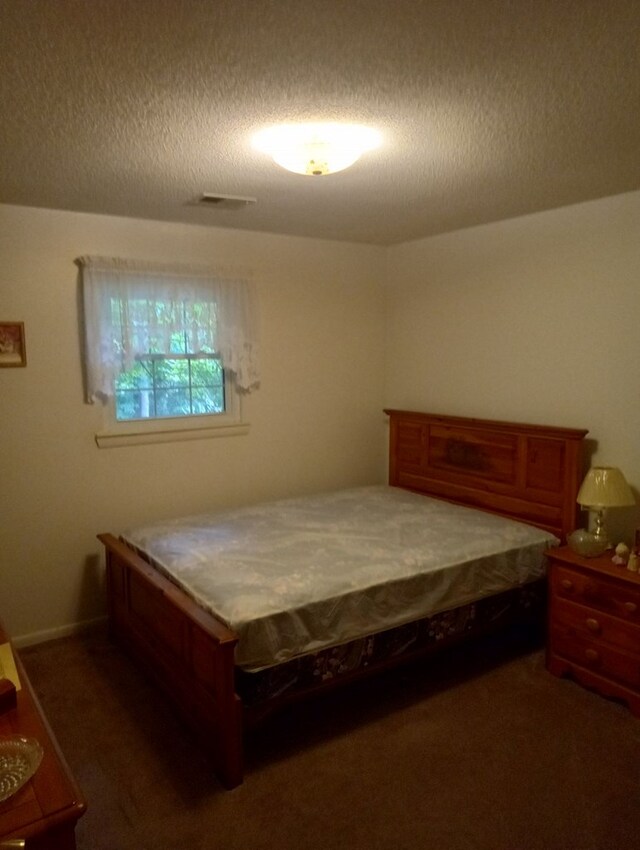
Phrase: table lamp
(604, 487)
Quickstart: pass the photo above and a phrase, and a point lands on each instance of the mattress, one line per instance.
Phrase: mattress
(295, 576)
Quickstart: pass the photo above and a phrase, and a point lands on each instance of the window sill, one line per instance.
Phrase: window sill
(113, 439)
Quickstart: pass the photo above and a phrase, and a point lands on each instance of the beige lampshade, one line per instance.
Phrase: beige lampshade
(605, 487)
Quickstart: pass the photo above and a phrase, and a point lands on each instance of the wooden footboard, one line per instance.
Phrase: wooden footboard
(187, 652)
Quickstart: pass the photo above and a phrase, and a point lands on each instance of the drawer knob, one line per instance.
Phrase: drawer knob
(566, 584)
(592, 625)
(630, 607)
(592, 655)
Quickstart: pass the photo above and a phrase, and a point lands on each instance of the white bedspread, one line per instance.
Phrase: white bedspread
(294, 576)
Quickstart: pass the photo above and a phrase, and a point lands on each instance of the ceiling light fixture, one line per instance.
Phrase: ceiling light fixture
(316, 149)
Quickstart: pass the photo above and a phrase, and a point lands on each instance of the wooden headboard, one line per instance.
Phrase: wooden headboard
(526, 472)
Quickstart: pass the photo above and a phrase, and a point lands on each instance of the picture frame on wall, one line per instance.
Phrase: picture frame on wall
(12, 345)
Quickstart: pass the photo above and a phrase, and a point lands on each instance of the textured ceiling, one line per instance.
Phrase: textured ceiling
(489, 108)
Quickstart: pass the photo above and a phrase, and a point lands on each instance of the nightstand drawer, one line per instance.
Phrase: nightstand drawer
(598, 657)
(589, 623)
(605, 595)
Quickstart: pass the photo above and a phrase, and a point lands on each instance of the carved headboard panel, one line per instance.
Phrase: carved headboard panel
(526, 472)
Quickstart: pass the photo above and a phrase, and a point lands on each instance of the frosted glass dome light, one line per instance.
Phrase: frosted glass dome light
(316, 149)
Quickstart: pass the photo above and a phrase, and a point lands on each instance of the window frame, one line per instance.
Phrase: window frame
(157, 388)
(127, 432)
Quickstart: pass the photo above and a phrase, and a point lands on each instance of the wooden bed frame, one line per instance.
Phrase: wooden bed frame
(525, 472)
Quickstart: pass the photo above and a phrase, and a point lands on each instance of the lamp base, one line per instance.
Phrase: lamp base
(600, 532)
(585, 544)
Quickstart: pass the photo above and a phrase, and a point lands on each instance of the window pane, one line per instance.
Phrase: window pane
(208, 400)
(173, 402)
(206, 372)
(135, 404)
(178, 343)
(141, 376)
(167, 387)
(172, 373)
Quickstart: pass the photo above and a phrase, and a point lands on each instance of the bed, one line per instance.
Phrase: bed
(237, 613)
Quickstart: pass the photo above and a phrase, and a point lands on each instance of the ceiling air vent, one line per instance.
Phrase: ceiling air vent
(223, 202)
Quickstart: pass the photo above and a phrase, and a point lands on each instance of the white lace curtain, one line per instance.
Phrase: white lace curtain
(133, 308)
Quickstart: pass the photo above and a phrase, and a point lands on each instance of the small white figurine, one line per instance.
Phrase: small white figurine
(622, 554)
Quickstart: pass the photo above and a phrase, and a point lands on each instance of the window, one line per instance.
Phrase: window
(166, 386)
(167, 350)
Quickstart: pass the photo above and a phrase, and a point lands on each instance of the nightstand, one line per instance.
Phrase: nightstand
(594, 624)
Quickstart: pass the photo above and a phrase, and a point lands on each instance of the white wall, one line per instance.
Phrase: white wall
(535, 319)
(316, 421)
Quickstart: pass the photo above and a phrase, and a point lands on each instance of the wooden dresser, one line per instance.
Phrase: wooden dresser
(594, 624)
(44, 812)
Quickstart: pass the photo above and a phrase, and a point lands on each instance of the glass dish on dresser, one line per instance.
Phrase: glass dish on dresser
(20, 757)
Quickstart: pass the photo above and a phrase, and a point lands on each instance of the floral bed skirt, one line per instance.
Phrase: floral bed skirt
(524, 605)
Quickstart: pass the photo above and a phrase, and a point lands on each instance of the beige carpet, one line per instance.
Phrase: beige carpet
(482, 750)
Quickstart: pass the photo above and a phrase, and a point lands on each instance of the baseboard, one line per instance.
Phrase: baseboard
(59, 632)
